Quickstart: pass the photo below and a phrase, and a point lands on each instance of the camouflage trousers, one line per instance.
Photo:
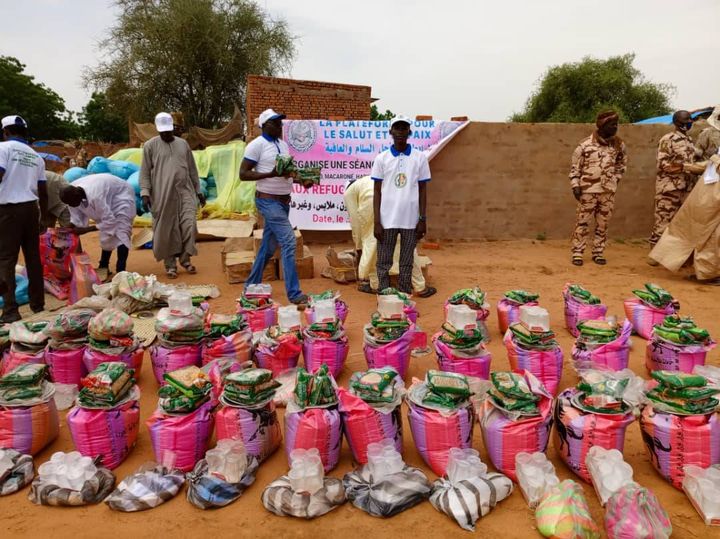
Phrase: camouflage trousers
(666, 206)
(599, 206)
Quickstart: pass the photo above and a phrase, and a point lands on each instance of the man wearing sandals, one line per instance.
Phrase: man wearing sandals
(598, 164)
(170, 188)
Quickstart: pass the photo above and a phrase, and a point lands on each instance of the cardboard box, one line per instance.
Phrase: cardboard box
(257, 240)
(238, 266)
(237, 245)
(304, 265)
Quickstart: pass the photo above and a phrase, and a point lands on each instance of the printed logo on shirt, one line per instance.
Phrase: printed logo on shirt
(24, 159)
(400, 180)
(301, 135)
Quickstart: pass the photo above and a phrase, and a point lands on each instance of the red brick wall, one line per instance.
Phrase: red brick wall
(306, 100)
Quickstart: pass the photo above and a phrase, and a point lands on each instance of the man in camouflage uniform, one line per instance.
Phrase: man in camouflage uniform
(598, 163)
(708, 141)
(673, 183)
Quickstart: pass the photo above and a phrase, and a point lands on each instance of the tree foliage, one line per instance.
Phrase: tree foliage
(191, 56)
(101, 122)
(375, 114)
(41, 107)
(576, 92)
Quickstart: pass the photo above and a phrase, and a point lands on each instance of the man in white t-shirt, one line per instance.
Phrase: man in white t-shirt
(272, 199)
(401, 174)
(22, 186)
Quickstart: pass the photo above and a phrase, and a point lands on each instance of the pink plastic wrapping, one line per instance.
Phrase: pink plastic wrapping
(132, 358)
(395, 354)
(509, 312)
(237, 346)
(284, 354)
(56, 246)
(186, 435)
(315, 427)
(546, 365)
(634, 512)
(258, 428)
(66, 365)
(577, 311)
(477, 364)
(662, 355)
(261, 319)
(504, 438)
(28, 429)
(364, 425)
(319, 351)
(643, 317)
(14, 358)
(435, 434)
(171, 358)
(577, 431)
(675, 441)
(614, 355)
(341, 310)
(110, 434)
(83, 277)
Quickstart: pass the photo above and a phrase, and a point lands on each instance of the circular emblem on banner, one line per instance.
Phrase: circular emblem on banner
(301, 135)
(400, 180)
(448, 127)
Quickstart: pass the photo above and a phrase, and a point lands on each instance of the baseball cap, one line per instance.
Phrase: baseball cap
(269, 114)
(400, 118)
(13, 119)
(163, 122)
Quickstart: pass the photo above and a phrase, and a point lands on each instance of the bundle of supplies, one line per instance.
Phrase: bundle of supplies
(682, 393)
(649, 307)
(147, 488)
(475, 299)
(226, 336)
(257, 307)
(24, 383)
(180, 330)
(581, 305)
(68, 337)
(180, 327)
(307, 176)
(563, 513)
(408, 306)
(70, 479)
(185, 390)
(602, 344)
(677, 345)
(106, 386)
(325, 341)
(280, 345)
(341, 308)
(460, 345)
(388, 338)
(250, 387)
(508, 308)
(111, 338)
(28, 341)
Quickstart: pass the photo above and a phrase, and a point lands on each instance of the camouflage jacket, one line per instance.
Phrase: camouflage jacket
(597, 166)
(707, 143)
(674, 149)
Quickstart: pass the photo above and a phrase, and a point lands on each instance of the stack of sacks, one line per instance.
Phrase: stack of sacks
(68, 337)
(476, 300)
(535, 349)
(370, 410)
(388, 338)
(596, 413)
(28, 342)
(325, 342)
(179, 343)
(563, 513)
(649, 308)
(516, 417)
(106, 420)
(341, 308)
(602, 345)
(111, 338)
(312, 419)
(226, 336)
(581, 305)
(677, 345)
(460, 345)
(409, 308)
(259, 311)
(279, 347)
(28, 415)
(56, 247)
(441, 417)
(681, 424)
(248, 412)
(508, 308)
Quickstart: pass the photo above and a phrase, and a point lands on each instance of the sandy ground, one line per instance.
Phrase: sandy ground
(497, 266)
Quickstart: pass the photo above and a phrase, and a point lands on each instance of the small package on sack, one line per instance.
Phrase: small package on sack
(580, 306)
(649, 308)
(279, 349)
(28, 342)
(702, 487)
(167, 357)
(535, 476)
(677, 345)
(441, 417)
(341, 308)
(110, 339)
(16, 471)
(325, 343)
(508, 308)
(222, 476)
(468, 492)
(602, 345)
(83, 277)
(409, 306)
(388, 342)
(305, 492)
(226, 336)
(68, 337)
(259, 311)
(537, 352)
(69, 479)
(370, 410)
(179, 342)
(312, 419)
(475, 299)
(147, 488)
(28, 414)
(248, 412)
(634, 512)
(516, 417)
(462, 350)
(106, 420)
(564, 513)
(385, 486)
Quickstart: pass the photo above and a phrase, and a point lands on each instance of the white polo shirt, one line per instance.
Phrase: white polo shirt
(262, 152)
(24, 169)
(400, 174)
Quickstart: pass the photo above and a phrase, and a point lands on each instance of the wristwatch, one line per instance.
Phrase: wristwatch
(422, 218)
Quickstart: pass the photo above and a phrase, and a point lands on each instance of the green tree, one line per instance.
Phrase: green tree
(576, 92)
(375, 114)
(101, 122)
(191, 56)
(41, 107)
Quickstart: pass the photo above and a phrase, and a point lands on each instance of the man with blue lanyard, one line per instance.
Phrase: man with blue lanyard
(272, 199)
(22, 186)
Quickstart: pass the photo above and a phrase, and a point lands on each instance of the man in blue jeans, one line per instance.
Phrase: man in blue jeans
(272, 199)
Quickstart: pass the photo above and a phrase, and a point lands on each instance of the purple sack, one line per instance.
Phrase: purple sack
(319, 351)
(395, 354)
(166, 358)
(476, 364)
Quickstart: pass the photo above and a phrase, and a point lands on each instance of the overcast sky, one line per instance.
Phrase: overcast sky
(446, 58)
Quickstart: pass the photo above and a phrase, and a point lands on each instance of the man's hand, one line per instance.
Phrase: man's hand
(79, 230)
(202, 200)
(276, 174)
(378, 232)
(577, 193)
(421, 229)
(146, 203)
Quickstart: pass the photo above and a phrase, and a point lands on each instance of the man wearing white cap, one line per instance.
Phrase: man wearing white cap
(22, 186)
(170, 188)
(272, 199)
(401, 174)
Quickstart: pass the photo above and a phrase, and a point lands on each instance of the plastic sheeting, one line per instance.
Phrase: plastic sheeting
(389, 495)
(280, 499)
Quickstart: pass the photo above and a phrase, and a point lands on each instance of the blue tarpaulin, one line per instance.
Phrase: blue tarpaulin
(49, 157)
(667, 119)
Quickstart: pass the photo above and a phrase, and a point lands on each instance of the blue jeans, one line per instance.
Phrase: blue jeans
(278, 230)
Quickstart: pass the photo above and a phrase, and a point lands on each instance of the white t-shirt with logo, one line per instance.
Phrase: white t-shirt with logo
(262, 152)
(24, 169)
(400, 174)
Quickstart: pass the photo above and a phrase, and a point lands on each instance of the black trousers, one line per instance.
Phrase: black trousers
(20, 229)
(385, 252)
(122, 256)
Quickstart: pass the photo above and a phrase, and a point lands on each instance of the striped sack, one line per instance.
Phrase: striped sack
(279, 498)
(613, 356)
(66, 365)
(341, 310)
(546, 365)
(258, 428)
(237, 346)
(509, 312)
(563, 513)
(207, 491)
(315, 427)
(473, 361)
(14, 357)
(634, 512)
(395, 354)
(643, 316)
(28, 429)
(576, 311)
(261, 319)
(93, 491)
(661, 355)
(332, 353)
(280, 356)
(389, 495)
(145, 489)
(20, 475)
(468, 500)
(167, 358)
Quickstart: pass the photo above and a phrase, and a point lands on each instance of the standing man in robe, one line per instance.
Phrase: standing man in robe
(170, 189)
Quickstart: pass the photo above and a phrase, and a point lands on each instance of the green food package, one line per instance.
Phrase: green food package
(583, 295)
(26, 374)
(679, 380)
(521, 296)
(448, 383)
(513, 404)
(512, 385)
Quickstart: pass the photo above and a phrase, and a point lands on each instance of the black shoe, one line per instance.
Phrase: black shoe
(302, 299)
(37, 309)
(9, 318)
